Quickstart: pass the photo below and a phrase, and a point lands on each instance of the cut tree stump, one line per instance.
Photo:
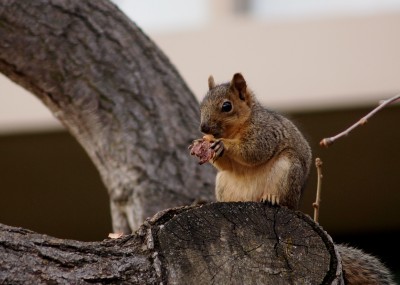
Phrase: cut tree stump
(218, 243)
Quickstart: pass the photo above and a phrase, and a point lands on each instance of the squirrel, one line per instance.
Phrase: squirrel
(261, 156)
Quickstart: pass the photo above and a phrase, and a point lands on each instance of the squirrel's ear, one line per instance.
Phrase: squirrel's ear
(211, 82)
(239, 84)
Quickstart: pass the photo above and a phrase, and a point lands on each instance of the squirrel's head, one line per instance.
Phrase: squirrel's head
(226, 107)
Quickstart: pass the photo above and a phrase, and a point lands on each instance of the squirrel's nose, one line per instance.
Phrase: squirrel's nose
(205, 128)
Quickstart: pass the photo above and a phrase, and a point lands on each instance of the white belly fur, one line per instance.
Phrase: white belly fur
(253, 184)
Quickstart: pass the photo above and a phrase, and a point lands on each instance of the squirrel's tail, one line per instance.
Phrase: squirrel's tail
(362, 268)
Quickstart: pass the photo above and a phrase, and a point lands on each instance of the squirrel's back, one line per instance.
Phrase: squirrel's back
(281, 128)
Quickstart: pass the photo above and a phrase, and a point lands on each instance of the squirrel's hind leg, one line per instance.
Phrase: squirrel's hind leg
(270, 199)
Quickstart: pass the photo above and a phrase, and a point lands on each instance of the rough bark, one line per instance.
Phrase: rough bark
(118, 95)
(220, 243)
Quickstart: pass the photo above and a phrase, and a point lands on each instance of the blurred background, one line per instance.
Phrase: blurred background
(323, 63)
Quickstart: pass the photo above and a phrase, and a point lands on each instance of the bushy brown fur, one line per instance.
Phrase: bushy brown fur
(360, 268)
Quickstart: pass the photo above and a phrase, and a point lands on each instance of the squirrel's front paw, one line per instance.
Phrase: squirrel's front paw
(218, 147)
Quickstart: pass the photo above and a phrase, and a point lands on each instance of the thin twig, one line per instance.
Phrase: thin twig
(318, 164)
(328, 141)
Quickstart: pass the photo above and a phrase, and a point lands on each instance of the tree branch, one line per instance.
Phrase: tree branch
(328, 141)
(316, 204)
(220, 243)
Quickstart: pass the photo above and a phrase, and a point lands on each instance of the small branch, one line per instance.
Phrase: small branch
(328, 141)
(318, 164)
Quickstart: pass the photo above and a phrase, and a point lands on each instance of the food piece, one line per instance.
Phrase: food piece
(202, 149)
(115, 235)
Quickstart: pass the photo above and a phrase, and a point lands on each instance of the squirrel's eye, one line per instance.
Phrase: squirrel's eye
(226, 106)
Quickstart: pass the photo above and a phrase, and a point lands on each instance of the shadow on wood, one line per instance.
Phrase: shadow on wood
(219, 243)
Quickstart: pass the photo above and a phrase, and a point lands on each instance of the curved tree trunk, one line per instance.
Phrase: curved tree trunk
(220, 243)
(118, 95)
